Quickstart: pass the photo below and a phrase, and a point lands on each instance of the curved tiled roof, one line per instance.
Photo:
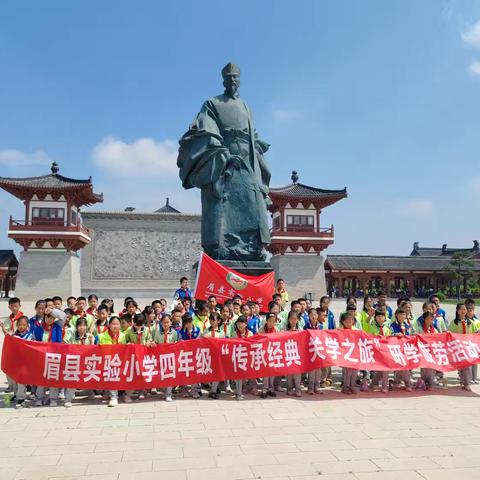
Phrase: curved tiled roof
(301, 190)
(50, 183)
(374, 262)
(167, 208)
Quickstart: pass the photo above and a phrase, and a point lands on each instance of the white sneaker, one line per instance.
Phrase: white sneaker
(39, 402)
(113, 402)
(127, 399)
(141, 396)
(68, 404)
(53, 403)
(169, 399)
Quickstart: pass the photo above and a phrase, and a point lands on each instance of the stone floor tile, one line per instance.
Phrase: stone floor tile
(412, 463)
(120, 467)
(167, 475)
(275, 471)
(184, 463)
(239, 472)
(398, 475)
(351, 466)
(360, 454)
(451, 473)
(241, 459)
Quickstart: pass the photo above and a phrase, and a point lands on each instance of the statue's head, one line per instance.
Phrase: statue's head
(231, 79)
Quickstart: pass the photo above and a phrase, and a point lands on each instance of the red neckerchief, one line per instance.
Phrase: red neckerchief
(225, 325)
(240, 335)
(190, 334)
(464, 326)
(80, 313)
(114, 338)
(92, 311)
(14, 320)
(49, 329)
(139, 336)
(430, 329)
(268, 329)
(103, 328)
(165, 336)
(381, 330)
(82, 339)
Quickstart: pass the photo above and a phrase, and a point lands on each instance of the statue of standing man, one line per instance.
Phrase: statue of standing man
(222, 155)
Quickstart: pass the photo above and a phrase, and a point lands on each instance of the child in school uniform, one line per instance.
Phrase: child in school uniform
(470, 304)
(102, 320)
(21, 331)
(200, 320)
(462, 324)
(112, 336)
(10, 323)
(79, 336)
(347, 322)
(240, 330)
(226, 320)
(426, 324)
(268, 385)
(214, 331)
(49, 330)
(325, 304)
(138, 334)
(400, 328)
(190, 332)
(379, 327)
(293, 381)
(317, 320)
(165, 334)
(367, 313)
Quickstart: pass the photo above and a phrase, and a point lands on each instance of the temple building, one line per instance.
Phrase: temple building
(298, 236)
(51, 232)
(8, 272)
(419, 274)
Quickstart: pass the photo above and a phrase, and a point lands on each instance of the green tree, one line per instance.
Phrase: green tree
(460, 267)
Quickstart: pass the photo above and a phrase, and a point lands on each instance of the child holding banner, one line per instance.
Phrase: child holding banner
(268, 385)
(349, 374)
(427, 325)
(400, 328)
(293, 381)
(113, 336)
(21, 331)
(79, 336)
(463, 325)
(190, 332)
(165, 334)
(214, 331)
(317, 320)
(379, 327)
(240, 330)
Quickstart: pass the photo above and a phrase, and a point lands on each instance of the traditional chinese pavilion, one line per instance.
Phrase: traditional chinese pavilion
(298, 237)
(51, 232)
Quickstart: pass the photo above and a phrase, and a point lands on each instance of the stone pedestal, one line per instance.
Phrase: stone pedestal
(302, 274)
(42, 274)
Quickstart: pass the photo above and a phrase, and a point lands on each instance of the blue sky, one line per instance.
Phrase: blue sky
(381, 97)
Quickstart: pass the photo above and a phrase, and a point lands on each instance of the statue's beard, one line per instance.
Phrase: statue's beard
(231, 90)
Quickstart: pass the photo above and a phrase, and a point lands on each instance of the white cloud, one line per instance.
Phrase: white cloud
(284, 116)
(144, 156)
(471, 36)
(419, 207)
(474, 68)
(17, 158)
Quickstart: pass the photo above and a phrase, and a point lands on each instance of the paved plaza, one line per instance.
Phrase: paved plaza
(369, 436)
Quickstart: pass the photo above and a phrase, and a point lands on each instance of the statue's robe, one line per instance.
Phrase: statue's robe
(234, 200)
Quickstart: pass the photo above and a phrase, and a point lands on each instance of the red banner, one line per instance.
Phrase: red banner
(122, 367)
(215, 279)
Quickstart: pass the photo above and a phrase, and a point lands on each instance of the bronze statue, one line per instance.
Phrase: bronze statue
(222, 155)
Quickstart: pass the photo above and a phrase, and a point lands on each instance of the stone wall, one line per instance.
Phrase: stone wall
(45, 273)
(142, 254)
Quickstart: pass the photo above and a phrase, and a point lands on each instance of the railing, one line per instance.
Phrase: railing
(46, 226)
(306, 230)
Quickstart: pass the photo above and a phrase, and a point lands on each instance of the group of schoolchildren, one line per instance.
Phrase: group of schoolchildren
(86, 321)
